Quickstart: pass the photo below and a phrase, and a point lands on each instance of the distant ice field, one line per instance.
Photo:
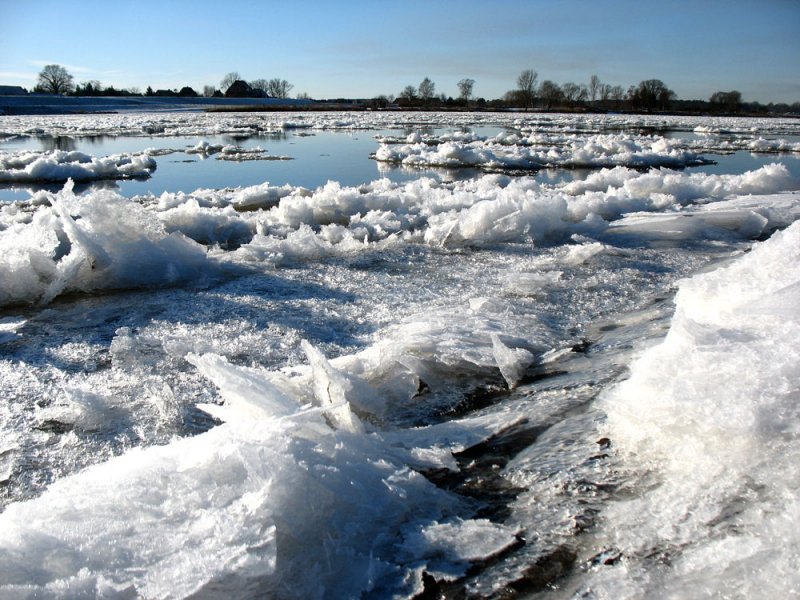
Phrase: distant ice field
(342, 147)
(380, 355)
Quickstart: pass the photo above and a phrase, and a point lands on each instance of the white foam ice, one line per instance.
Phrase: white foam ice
(711, 413)
(61, 165)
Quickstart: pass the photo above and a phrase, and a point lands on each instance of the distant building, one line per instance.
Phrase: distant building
(12, 90)
(242, 89)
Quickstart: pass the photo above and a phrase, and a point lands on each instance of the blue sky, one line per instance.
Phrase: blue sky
(362, 49)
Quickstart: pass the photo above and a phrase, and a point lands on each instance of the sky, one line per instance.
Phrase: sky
(361, 49)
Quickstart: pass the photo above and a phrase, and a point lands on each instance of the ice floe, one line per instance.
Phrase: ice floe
(593, 152)
(60, 165)
(170, 124)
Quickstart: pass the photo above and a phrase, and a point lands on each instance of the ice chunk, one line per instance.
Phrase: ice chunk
(59, 165)
(248, 394)
(96, 242)
(242, 502)
(9, 327)
(452, 545)
(512, 362)
(331, 390)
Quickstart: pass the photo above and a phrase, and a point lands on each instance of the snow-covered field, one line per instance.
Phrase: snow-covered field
(492, 384)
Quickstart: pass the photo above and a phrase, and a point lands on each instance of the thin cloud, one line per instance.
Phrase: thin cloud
(71, 68)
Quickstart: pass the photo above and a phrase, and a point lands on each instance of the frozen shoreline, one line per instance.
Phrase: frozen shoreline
(43, 104)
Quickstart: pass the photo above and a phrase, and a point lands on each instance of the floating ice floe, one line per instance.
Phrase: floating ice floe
(239, 154)
(59, 165)
(591, 152)
(522, 125)
(231, 153)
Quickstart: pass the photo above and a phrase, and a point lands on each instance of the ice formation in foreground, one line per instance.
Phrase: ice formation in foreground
(293, 498)
(712, 413)
(290, 497)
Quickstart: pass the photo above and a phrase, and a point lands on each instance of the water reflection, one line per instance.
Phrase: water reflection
(266, 136)
(398, 172)
(13, 192)
(58, 142)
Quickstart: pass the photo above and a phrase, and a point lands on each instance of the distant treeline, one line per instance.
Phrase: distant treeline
(650, 95)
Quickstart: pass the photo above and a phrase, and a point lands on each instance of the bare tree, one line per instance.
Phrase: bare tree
(728, 101)
(279, 88)
(526, 84)
(408, 94)
(551, 93)
(605, 92)
(594, 88)
(54, 79)
(228, 80)
(427, 89)
(261, 85)
(465, 89)
(617, 94)
(574, 93)
(650, 94)
(208, 91)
